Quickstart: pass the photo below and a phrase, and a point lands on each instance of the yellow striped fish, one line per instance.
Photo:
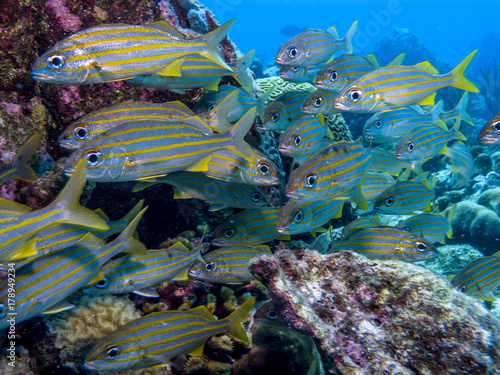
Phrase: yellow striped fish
(17, 167)
(400, 86)
(314, 46)
(303, 137)
(301, 74)
(387, 243)
(490, 134)
(199, 72)
(433, 227)
(374, 185)
(320, 101)
(143, 149)
(250, 227)
(219, 194)
(322, 242)
(151, 341)
(108, 53)
(283, 111)
(42, 285)
(331, 172)
(228, 264)
(139, 273)
(385, 161)
(462, 164)
(18, 235)
(358, 224)
(480, 278)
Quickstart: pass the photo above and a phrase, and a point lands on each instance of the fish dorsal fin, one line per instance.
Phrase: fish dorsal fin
(429, 100)
(333, 31)
(372, 60)
(426, 66)
(421, 177)
(203, 312)
(179, 106)
(179, 246)
(398, 60)
(7, 206)
(198, 123)
(172, 69)
(441, 125)
(101, 214)
(405, 175)
(164, 26)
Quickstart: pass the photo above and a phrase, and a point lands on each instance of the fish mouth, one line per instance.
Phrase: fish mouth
(280, 61)
(339, 106)
(283, 75)
(319, 84)
(292, 194)
(306, 109)
(488, 139)
(39, 76)
(399, 156)
(282, 148)
(282, 230)
(91, 366)
(262, 127)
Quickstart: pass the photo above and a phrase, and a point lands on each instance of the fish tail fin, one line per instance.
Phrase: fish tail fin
(23, 171)
(238, 132)
(262, 102)
(461, 109)
(458, 73)
(133, 212)
(126, 238)
(236, 318)
(69, 201)
(348, 37)
(436, 111)
(456, 130)
(213, 38)
(242, 76)
(217, 117)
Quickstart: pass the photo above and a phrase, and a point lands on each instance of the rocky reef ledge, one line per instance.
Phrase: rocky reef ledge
(381, 317)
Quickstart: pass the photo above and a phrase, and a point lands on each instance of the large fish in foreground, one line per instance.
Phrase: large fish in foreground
(400, 86)
(151, 341)
(108, 53)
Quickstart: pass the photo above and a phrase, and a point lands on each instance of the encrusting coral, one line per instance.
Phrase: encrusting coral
(281, 86)
(381, 317)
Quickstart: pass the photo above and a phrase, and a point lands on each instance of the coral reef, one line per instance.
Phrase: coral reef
(281, 86)
(451, 259)
(381, 317)
(339, 128)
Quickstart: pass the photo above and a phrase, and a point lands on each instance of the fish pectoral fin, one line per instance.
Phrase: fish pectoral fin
(161, 360)
(57, 308)
(147, 292)
(200, 166)
(216, 207)
(26, 250)
(143, 185)
(172, 70)
(103, 68)
(427, 67)
(214, 85)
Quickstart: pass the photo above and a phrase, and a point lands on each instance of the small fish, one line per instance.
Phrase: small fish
(490, 134)
(433, 227)
(374, 184)
(199, 72)
(387, 243)
(391, 125)
(229, 166)
(108, 53)
(462, 164)
(139, 273)
(303, 137)
(331, 172)
(17, 167)
(480, 278)
(426, 141)
(18, 235)
(228, 264)
(301, 217)
(314, 46)
(343, 70)
(244, 102)
(322, 242)
(219, 194)
(400, 86)
(146, 149)
(320, 101)
(358, 224)
(250, 227)
(405, 197)
(283, 111)
(385, 161)
(43, 284)
(301, 74)
(152, 340)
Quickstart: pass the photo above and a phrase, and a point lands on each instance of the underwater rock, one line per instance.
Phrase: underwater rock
(381, 317)
(490, 199)
(483, 163)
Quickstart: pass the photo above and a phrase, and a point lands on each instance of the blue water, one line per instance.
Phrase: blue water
(451, 29)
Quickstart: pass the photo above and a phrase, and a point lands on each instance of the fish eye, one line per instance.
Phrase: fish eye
(229, 233)
(56, 62)
(496, 127)
(421, 246)
(410, 146)
(297, 140)
(311, 181)
(93, 158)
(317, 102)
(378, 124)
(334, 75)
(264, 169)
(111, 353)
(408, 229)
(101, 284)
(298, 217)
(3, 310)
(389, 201)
(256, 197)
(81, 133)
(295, 69)
(275, 117)
(210, 107)
(463, 288)
(355, 95)
(292, 52)
(273, 314)
(209, 267)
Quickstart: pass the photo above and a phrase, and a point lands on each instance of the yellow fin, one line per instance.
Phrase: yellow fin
(440, 124)
(284, 237)
(372, 60)
(242, 76)
(214, 85)
(182, 276)
(321, 119)
(427, 207)
(429, 100)
(7, 206)
(97, 277)
(237, 317)
(179, 194)
(458, 73)
(172, 69)
(426, 66)
(57, 308)
(198, 351)
(101, 214)
(213, 38)
(26, 250)
(147, 292)
(200, 166)
(398, 60)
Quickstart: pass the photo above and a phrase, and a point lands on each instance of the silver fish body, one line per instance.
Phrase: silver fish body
(303, 137)
(283, 111)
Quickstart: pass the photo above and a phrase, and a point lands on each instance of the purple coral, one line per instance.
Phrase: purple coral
(68, 20)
